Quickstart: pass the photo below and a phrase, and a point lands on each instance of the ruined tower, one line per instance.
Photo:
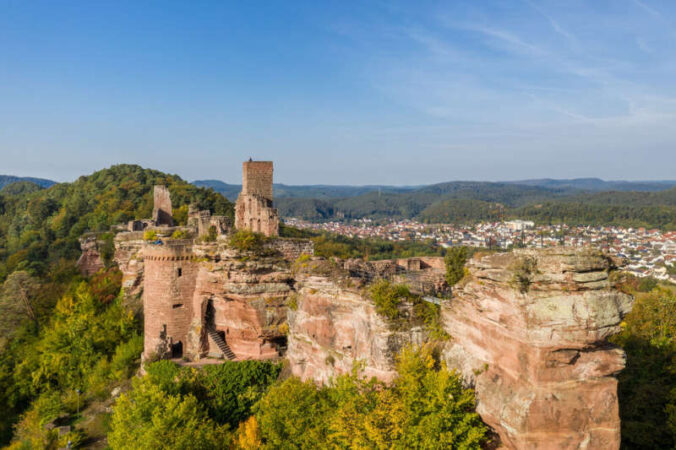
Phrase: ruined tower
(168, 286)
(253, 210)
(162, 213)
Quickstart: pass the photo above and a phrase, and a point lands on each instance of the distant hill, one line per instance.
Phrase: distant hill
(597, 184)
(589, 201)
(20, 188)
(9, 179)
(423, 201)
(318, 191)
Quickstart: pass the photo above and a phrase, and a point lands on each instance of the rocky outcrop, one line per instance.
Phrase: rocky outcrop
(242, 297)
(130, 262)
(332, 326)
(529, 330)
(90, 260)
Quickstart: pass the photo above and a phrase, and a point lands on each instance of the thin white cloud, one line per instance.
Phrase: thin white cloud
(653, 12)
(554, 24)
(505, 37)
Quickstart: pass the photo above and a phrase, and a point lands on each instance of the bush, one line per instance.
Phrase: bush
(647, 386)
(391, 300)
(211, 236)
(180, 234)
(388, 298)
(150, 235)
(229, 390)
(455, 260)
(247, 241)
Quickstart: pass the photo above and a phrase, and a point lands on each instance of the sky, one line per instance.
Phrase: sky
(343, 92)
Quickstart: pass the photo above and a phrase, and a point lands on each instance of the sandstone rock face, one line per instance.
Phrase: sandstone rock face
(243, 298)
(334, 326)
(130, 262)
(529, 330)
(90, 261)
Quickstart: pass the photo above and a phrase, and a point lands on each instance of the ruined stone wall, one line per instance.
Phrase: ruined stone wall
(255, 213)
(162, 211)
(253, 209)
(257, 178)
(291, 249)
(169, 284)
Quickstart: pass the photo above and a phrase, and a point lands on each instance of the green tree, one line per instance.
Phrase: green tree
(455, 260)
(424, 407)
(17, 302)
(149, 417)
(647, 386)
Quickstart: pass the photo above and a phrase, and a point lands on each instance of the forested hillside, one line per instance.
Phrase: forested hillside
(9, 179)
(474, 202)
(318, 191)
(39, 228)
(58, 332)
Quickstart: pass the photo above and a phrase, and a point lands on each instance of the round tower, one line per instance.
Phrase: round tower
(168, 286)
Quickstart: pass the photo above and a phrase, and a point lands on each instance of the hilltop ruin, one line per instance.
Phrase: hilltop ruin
(527, 328)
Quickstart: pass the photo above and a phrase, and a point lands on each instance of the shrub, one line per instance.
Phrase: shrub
(150, 235)
(388, 297)
(211, 236)
(455, 260)
(247, 241)
(524, 270)
(390, 301)
(292, 304)
(180, 234)
(647, 386)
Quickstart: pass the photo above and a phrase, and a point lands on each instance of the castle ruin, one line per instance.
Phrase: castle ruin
(254, 210)
(544, 374)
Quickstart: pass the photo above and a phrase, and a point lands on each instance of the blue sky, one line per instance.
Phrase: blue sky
(341, 92)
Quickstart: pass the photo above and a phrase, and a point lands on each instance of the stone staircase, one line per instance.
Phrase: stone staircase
(222, 345)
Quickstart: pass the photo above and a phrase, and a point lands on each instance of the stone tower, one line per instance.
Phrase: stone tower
(162, 213)
(253, 210)
(168, 286)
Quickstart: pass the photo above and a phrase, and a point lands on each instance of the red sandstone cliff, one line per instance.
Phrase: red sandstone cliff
(333, 327)
(529, 328)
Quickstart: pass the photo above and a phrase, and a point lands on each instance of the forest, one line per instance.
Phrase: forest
(467, 203)
(70, 350)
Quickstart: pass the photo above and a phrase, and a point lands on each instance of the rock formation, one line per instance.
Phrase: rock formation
(333, 325)
(90, 260)
(529, 330)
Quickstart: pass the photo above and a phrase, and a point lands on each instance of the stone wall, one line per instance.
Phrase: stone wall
(162, 211)
(291, 249)
(257, 178)
(168, 287)
(253, 209)
(255, 213)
